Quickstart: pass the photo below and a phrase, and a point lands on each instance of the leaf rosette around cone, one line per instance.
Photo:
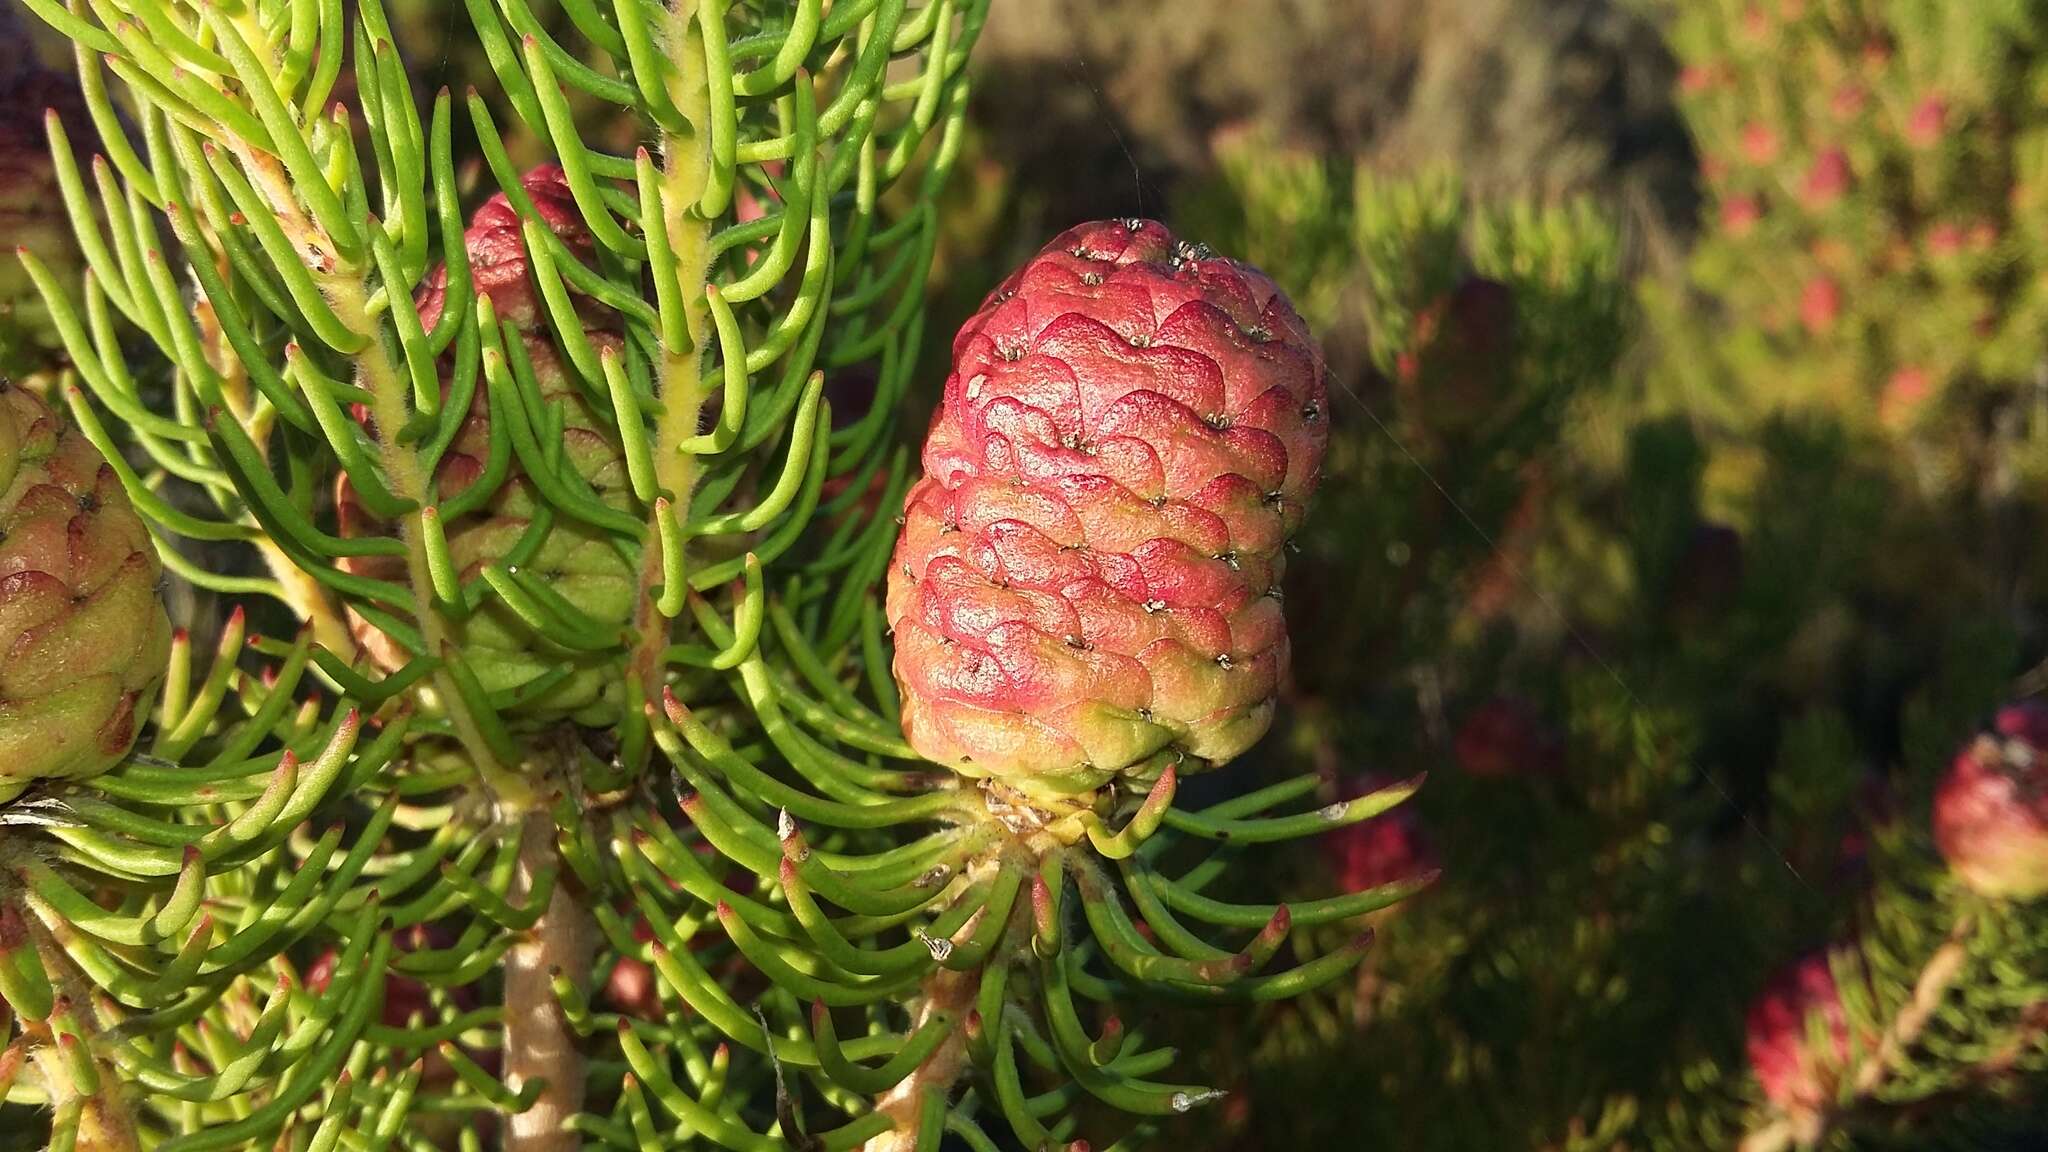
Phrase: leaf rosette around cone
(83, 633)
(1087, 583)
(582, 565)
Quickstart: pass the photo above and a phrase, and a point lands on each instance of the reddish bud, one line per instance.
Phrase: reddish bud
(631, 989)
(1827, 180)
(1928, 121)
(986, 690)
(1759, 143)
(1407, 366)
(1739, 215)
(1904, 394)
(497, 249)
(1820, 304)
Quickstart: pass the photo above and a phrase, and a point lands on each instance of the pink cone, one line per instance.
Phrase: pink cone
(1086, 583)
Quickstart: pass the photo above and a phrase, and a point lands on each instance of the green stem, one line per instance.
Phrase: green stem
(390, 391)
(686, 172)
(345, 288)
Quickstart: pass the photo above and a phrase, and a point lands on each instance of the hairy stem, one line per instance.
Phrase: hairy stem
(944, 991)
(1928, 992)
(309, 601)
(305, 596)
(686, 169)
(102, 1118)
(409, 481)
(539, 1043)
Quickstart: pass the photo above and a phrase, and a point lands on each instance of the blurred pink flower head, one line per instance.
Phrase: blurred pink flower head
(1820, 305)
(1386, 849)
(1739, 214)
(1991, 809)
(1827, 180)
(1848, 101)
(1759, 143)
(1928, 121)
(1796, 1074)
(1904, 394)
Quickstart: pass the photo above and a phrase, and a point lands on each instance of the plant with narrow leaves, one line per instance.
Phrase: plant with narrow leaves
(545, 483)
(1871, 229)
(134, 921)
(1690, 614)
(1925, 1024)
(1083, 601)
(512, 473)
